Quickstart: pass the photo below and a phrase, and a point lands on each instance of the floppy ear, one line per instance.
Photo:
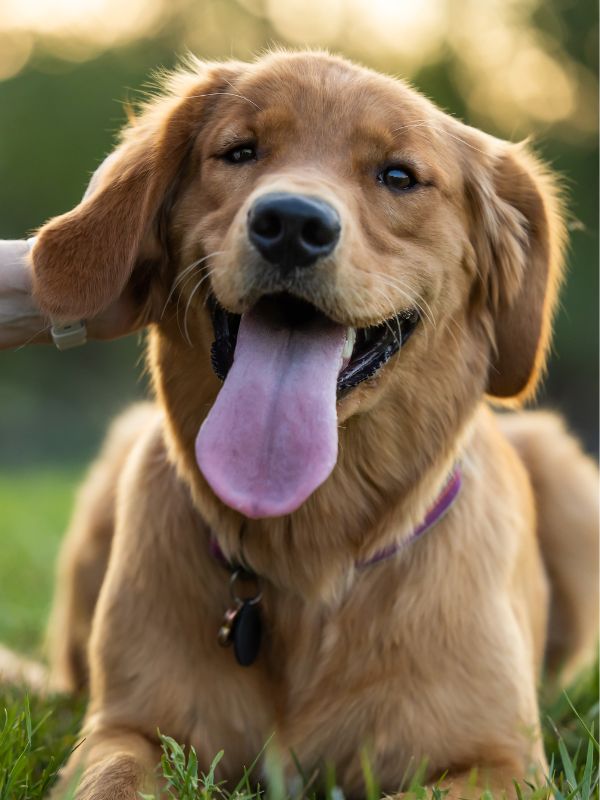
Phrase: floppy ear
(83, 259)
(518, 238)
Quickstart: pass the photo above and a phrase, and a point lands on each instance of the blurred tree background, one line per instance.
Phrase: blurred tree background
(513, 67)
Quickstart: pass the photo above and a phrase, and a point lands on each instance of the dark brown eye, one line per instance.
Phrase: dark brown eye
(399, 179)
(240, 154)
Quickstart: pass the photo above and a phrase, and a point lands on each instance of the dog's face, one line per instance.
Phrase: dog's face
(350, 241)
(325, 182)
(320, 182)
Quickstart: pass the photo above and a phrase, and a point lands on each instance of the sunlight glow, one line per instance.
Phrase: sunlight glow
(508, 73)
(101, 21)
(414, 28)
(307, 21)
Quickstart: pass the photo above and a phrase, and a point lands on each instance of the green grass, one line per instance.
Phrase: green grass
(36, 735)
(34, 511)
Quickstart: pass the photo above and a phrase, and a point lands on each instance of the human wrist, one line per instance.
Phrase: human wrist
(21, 321)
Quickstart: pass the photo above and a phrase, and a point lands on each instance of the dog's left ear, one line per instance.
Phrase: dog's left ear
(83, 260)
(518, 237)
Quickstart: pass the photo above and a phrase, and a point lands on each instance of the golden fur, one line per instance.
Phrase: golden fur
(433, 654)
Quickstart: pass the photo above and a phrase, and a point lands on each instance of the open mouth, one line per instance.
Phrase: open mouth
(271, 436)
(366, 350)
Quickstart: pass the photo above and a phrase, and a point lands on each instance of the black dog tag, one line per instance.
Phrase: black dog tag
(246, 633)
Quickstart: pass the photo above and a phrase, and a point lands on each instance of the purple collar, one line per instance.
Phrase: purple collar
(437, 511)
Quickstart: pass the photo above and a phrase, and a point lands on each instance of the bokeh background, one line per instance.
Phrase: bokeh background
(516, 68)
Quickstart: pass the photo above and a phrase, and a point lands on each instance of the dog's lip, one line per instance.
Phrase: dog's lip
(367, 348)
(374, 346)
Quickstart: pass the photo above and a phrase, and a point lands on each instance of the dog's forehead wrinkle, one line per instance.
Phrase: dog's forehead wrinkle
(278, 97)
(233, 130)
(277, 119)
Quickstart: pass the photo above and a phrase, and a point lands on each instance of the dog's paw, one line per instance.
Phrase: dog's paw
(118, 777)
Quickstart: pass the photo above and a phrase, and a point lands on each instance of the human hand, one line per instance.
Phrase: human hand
(21, 321)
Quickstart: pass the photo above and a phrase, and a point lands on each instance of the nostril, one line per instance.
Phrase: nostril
(268, 225)
(318, 234)
(292, 230)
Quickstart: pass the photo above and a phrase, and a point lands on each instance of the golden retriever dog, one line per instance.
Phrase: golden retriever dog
(339, 275)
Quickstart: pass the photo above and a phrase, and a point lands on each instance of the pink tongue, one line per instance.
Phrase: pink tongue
(270, 438)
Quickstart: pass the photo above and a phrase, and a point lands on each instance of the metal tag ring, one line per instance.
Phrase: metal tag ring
(234, 595)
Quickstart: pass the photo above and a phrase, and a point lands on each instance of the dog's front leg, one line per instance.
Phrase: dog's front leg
(119, 764)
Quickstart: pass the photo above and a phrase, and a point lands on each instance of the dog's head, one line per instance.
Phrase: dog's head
(358, 249)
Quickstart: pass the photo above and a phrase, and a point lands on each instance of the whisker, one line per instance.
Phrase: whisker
(412, 302)
(229, 94)
(242, 96)
(179, 298)
(416, 297)
(396, 283)
(393, 283)
(422, 123)
(437, 129)
(180, 278)
(176, 282)
(32, 337)
(190, 298)
(398, 338)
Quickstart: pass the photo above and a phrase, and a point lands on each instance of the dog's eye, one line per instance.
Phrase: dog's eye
(397, 178)
(240, 154)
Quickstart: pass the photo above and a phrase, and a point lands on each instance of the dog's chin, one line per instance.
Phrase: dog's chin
(365, 352)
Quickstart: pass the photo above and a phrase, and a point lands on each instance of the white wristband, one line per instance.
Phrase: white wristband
(68, 334)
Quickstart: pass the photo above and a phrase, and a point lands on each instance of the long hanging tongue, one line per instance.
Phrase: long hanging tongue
(270, 438)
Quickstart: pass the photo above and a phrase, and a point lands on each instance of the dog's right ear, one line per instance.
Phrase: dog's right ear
(518, 236)
(83, 259)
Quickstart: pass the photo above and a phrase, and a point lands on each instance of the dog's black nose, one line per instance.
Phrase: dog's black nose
(293, 230)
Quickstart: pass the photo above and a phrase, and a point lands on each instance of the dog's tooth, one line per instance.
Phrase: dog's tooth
(349, 346)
